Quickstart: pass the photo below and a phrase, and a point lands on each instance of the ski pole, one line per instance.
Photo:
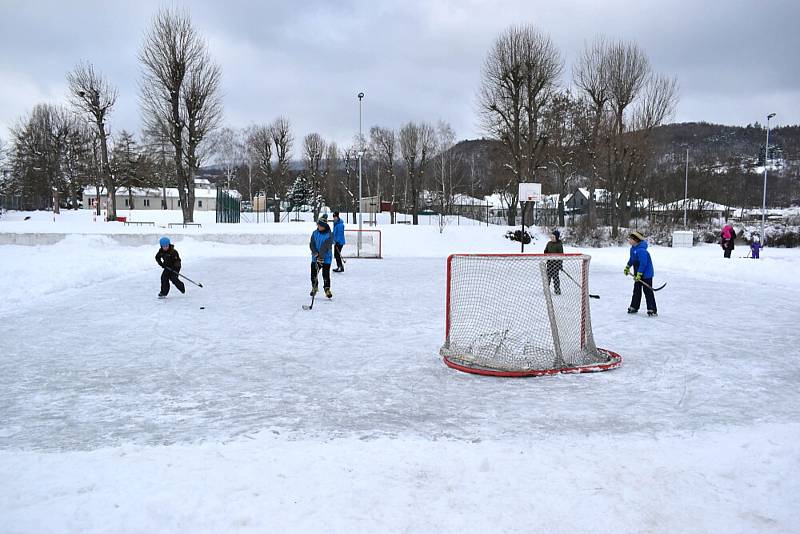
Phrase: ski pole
(184, 277)
(645, 284)
(577, 284)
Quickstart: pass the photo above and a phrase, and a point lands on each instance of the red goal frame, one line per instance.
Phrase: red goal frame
(616, 359)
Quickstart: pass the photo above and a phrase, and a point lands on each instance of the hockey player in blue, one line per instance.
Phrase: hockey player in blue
(643, 272)
(338, 241)
(321, 243)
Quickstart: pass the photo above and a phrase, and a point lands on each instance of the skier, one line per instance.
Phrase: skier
(755, 247)
(169, 260)
(728, 236)
(643, 272)
(554, 246)
(320, 244)
(338, 241)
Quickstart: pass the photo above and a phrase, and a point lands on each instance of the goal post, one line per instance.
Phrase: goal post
(371, 244)
(521, 315)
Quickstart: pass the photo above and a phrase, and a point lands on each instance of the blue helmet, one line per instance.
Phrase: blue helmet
(164, 241)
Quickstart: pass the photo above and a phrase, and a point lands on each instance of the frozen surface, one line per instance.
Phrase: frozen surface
(123, 413)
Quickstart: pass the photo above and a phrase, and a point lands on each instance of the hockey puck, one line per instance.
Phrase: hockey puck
(202, 307)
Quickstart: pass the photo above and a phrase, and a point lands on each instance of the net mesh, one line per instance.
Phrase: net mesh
(520, 313)
(370, 244)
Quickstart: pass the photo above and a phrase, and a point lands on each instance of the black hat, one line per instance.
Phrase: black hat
(557, 234)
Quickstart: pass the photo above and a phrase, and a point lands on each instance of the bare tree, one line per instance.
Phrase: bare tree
(384, 146)
(314, 147)
(518, 78)
(90, 93)
(229, 150)
(590, 75)
(282, 140)
(417, 141)
(259, 143)
(180, 93)
(445, 140)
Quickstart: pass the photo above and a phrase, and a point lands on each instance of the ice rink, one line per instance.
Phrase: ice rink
(123, 413)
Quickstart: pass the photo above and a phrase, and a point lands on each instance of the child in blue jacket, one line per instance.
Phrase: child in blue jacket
(321, 243)
(755, 247)
(643, 272)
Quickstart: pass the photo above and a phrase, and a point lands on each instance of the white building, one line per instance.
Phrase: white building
(151, 198)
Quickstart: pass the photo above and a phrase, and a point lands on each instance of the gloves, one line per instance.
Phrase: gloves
(638, 277)
(320, 261)
(627, 270)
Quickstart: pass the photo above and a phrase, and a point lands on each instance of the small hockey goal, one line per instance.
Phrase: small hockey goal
(371, 246)
(521, 315)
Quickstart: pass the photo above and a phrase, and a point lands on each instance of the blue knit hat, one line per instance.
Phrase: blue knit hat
(164, 241)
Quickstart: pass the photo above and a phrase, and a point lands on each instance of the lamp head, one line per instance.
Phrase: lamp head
(360, 96)
(770, 116)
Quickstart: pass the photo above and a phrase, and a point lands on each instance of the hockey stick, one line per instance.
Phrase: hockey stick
(645, 284)
(577, 284)
(309, 307)
(184, 277)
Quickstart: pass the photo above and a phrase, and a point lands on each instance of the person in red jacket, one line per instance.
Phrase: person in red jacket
(728, 237)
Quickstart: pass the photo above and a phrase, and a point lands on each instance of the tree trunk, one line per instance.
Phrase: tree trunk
(276, 211)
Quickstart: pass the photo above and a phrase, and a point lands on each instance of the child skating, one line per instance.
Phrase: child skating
(755, 247)
(643, 274)
(321, 243)
(554, 246)
(169, 260)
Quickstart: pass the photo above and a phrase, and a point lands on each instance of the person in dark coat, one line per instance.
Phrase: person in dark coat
(338, 241)
(169, 260)
(554, 246)
(321, 243)
(728, 238)
(643, 272)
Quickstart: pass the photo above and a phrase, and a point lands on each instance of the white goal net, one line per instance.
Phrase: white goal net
(520, 315)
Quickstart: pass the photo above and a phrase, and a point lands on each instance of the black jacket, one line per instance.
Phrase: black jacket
(169, 258)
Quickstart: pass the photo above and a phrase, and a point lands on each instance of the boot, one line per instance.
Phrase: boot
(632, 310)
(328, 292)
(314, 290)
(652, 313)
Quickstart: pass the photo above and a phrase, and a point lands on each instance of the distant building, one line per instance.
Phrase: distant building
(156, 198)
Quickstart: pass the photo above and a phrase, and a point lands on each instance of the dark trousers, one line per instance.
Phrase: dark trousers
(337, 252)
(553, 275)
(553, 268)
(171, 276)
(727, 253)
(649, 296)
(326, 274)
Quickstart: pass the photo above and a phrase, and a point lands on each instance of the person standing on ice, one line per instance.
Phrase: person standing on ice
(643, 273)
(169, 260)
(755, 247)
(554, 246)
(321, 243)
(338, 241)
(728, 237)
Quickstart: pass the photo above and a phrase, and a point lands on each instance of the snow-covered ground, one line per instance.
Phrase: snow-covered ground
(123, 413)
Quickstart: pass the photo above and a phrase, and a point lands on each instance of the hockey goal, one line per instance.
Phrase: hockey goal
(370, 244)
(521, 315)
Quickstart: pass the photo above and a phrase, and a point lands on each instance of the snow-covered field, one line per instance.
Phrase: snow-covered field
(123, 413)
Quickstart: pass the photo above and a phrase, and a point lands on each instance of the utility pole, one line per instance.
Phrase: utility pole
(764, 200)
(360, 156)
(686, 189)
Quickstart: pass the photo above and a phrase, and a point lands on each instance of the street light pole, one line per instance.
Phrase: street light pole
(764, 200)
(686, 189)
(360, 156)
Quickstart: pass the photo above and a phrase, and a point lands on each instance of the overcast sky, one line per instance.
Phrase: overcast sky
(735, 60)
